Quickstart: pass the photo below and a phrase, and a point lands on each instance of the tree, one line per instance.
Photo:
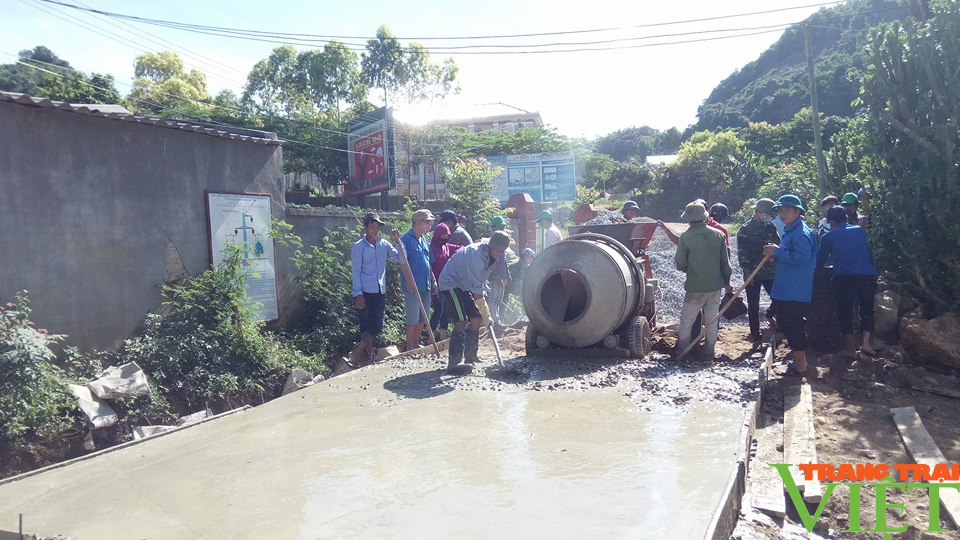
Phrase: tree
(632, 176)
(405, 74)
(277, 85)
(41, 73)
(912, 98)
(163, 88)
(333, 79)
(469, 186)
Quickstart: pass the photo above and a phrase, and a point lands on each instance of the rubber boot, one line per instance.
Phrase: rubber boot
(471, 345)
(455, 352)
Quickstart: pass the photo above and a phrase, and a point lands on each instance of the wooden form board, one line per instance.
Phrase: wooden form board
(799, 439)
(766, 488)
(924, 450)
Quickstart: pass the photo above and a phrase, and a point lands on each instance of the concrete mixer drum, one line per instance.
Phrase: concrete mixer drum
(588, 291)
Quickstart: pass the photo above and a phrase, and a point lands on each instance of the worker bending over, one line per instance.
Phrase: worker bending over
(461, 285)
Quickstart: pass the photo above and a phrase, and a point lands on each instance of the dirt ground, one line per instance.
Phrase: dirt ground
(851, 400)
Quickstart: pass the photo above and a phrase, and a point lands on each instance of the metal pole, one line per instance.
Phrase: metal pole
(815, 113)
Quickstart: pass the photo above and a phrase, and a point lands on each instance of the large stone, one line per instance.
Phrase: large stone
(886, 312)
(934, 341)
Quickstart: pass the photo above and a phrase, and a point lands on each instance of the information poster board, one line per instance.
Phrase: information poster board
(244, 220)
(546, 177)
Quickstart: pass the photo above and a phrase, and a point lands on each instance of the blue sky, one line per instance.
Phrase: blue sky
(579, 93)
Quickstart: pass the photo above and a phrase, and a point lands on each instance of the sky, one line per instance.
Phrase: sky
(648, 76)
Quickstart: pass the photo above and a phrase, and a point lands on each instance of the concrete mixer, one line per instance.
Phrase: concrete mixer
(593, 294)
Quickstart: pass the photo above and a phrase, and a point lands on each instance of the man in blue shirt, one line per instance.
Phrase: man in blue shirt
(368, 260)
(793, 281)
(461, 285)
(853, 278)
(416, 291)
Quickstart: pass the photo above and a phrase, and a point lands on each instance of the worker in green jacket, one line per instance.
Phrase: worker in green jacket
(702, 255)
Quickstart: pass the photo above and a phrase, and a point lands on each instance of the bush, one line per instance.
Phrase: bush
(208, 351)
(35, 400)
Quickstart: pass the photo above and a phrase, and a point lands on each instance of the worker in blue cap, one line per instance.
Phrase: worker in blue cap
(795, 256)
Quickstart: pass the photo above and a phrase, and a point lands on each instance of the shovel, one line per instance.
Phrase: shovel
(736, 294)
(496, 345)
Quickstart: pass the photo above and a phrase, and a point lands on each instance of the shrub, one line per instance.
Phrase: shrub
(208, 351)
(35, 400)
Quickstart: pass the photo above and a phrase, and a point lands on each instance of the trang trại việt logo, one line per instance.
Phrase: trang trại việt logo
(854, 477)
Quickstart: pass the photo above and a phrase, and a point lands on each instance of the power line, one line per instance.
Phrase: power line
(113, 35)
(181, 25)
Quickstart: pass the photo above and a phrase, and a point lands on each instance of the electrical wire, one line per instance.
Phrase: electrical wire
(181, 25)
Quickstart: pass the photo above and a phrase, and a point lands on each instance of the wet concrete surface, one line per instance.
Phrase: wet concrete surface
(553, 448)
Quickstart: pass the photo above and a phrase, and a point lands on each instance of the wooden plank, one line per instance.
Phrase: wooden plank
(799, 438)
(924, 450)
(766, 486)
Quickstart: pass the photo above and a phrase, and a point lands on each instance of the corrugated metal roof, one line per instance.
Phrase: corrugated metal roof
(115, 112)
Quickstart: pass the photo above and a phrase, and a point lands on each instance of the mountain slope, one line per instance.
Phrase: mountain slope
(773, 88)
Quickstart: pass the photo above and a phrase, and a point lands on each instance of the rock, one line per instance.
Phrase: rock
(886, 312)
(934, 341)
(386, 352)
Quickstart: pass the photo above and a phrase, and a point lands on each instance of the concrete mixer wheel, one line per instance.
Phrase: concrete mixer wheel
(638, 337)
(530, 339)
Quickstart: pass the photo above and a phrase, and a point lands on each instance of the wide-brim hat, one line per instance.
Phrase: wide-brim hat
(499, 241)
(371, 216)
(694, 212)
(423, 215)
(789, 201)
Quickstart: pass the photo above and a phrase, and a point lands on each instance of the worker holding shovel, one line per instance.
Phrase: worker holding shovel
(461, 285)
(702, 255)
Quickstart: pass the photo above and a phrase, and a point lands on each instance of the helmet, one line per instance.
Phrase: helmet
(630, 204)
(545, 214)
(764, 205)
(789, 201)
(498, 221)
(849, 198)
(448, 215)
(719, 212)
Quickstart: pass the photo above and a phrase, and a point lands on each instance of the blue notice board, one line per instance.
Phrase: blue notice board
(545, 177)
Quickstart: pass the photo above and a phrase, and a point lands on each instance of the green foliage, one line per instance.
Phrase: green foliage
(912, 97)
(208, 350)
(469, 184)
(35, 400)
(330, 324)
(594, 170)
(41, 73)
(632, 176)
(586, 195)
(164, 88)
(638, 142)
(405, 74)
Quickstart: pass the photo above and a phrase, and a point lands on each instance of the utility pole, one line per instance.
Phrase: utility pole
(815, 113)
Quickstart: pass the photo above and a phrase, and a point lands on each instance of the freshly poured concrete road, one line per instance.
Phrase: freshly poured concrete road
(397, 451)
